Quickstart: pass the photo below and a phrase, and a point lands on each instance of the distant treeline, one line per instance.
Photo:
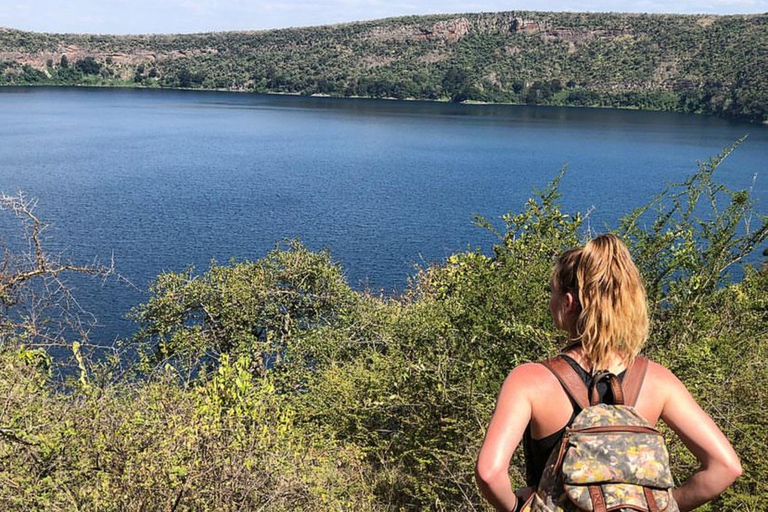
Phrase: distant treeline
(705, 64)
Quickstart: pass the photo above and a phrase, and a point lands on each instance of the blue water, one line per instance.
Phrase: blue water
(167, 179)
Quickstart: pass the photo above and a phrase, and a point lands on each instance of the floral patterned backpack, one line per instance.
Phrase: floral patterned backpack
(610, 459)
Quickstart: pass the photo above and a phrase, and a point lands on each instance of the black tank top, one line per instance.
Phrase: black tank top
(537, 451)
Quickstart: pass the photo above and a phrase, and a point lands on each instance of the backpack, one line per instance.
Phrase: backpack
(610, 459)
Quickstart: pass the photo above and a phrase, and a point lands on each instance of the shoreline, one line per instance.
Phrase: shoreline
(411, 100)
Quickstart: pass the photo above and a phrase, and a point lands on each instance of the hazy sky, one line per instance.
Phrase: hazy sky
(184, 16)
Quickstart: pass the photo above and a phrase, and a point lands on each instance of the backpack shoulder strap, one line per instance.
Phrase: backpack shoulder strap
(570, 380)
(633, 380)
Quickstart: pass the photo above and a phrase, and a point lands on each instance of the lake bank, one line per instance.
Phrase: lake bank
(130, 85)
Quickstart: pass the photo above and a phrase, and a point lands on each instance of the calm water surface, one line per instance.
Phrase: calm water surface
(167, 179)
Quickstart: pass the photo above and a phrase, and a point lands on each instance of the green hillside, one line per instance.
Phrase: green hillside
(708, 64)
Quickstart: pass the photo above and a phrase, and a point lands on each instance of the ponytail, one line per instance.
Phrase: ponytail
(613, 315)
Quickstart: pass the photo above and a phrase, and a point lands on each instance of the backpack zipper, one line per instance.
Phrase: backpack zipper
(626, 429)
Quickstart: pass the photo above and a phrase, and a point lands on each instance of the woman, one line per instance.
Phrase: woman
(599, 300)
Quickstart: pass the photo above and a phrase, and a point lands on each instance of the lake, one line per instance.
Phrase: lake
(167, 179)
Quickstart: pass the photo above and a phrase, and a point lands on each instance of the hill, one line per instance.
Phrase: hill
(707, 64)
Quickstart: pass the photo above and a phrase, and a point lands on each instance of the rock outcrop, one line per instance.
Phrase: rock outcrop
(450, 31)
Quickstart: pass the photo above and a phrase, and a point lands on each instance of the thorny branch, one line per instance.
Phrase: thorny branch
(33, 278)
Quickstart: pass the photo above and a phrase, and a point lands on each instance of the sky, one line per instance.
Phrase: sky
(190, 16)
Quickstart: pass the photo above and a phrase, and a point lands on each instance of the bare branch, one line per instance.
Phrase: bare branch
(32, 286)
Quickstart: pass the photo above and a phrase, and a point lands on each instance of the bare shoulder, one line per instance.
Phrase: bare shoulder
(531, 375)
(530, 381)
(669, 393)
(663, 380)
(660, 372)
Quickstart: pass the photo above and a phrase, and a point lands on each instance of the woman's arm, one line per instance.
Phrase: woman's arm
(508, 423)
(720, 465)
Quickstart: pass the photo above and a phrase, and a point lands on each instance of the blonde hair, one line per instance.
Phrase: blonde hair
(613, 317)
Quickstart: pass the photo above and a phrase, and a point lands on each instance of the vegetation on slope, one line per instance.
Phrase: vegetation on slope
(706, 64)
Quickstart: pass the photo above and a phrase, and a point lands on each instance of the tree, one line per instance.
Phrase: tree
(88, 66)
(32, 75)
(458, 85)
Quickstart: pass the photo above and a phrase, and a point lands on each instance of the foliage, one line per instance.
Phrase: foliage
(227, 444)
(245, 308)
(687, 63)
(271, 385)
